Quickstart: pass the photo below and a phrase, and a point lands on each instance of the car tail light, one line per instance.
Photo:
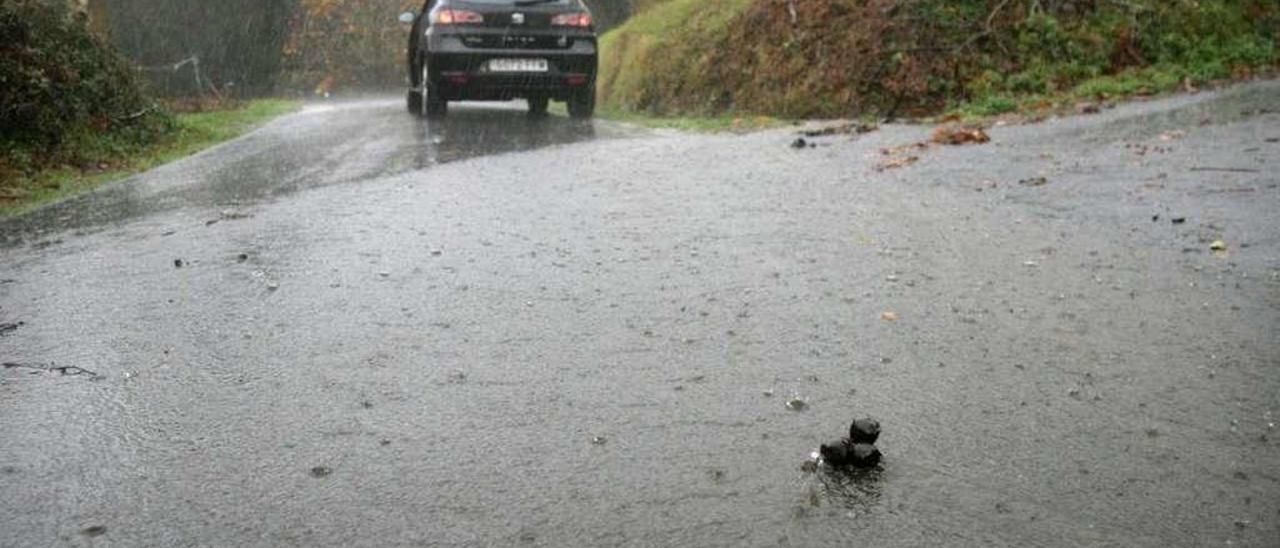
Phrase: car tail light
(582, 20)
(458, 17)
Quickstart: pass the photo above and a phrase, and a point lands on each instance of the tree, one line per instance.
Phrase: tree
(237, 42)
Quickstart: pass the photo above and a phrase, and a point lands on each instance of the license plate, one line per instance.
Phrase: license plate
(517, 65)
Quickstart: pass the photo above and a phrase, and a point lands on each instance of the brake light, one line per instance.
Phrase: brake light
(457, 17)
(581, 20)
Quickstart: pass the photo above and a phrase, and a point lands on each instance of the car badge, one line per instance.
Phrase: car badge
(517, 18)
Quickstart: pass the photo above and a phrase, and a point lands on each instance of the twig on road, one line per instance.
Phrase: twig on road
(65, 370)
(1226, 169)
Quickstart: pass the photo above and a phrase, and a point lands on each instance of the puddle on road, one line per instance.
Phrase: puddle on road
(856, 490)
(1233, 105)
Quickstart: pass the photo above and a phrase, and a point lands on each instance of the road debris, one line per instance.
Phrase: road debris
(959, 135)
(865, 430)
(1034, 181)
(7, 328)
(900, 156)
(840, 129)
(320, 471)
(94, 531)
(902, 149)
(1225, 169)
(800, 143)
(1178, 220)
(842, 454)
(856, 451)
(897, 163)
(599, 440)
(797, 404)
(890, 316)
(64, 370)
(177, 263)
(234, 214)
(1218, 245)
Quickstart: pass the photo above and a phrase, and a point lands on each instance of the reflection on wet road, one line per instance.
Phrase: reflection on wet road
(641, 341)
(324, 144)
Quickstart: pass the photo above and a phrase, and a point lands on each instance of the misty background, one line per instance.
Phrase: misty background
(258, 47)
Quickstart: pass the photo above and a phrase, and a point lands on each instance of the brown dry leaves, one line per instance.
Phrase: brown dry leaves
(959, 135)
(895, 163)
(949, 135)
(900, 156)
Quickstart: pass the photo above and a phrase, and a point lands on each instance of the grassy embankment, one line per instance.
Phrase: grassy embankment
(717, 64)
(102, 159)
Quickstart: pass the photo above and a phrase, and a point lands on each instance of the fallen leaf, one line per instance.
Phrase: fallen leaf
(897, 163)
(1088, 108)
(959, 135)
(903, 148)
(840, 129)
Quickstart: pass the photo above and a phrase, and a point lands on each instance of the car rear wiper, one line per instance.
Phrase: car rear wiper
(524, 3)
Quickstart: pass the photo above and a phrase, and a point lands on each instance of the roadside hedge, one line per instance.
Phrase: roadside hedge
(61, 85)
(833, 58)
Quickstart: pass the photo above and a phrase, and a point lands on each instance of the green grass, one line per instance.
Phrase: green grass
(701, 124)
(642, 61)
(1142, 82)
(111, 159)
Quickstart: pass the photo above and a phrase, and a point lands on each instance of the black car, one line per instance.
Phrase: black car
(498, 50)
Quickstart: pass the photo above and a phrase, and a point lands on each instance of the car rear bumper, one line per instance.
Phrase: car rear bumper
(460, 72)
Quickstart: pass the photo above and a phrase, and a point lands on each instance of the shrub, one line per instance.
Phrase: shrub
(849, 57)
(58, 83)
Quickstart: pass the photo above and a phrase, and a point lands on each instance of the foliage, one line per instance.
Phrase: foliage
(653, 61)
(61, 86)
(609, 13)
(848, 57)
(237, 42)
(346, 44)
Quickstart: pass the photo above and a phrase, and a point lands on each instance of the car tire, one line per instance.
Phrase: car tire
(431, 103)
(582, 104)
(538, 106)
(414, 100)
(435, 106)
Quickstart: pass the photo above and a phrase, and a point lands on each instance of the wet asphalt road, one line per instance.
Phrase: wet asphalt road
(498, 332)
